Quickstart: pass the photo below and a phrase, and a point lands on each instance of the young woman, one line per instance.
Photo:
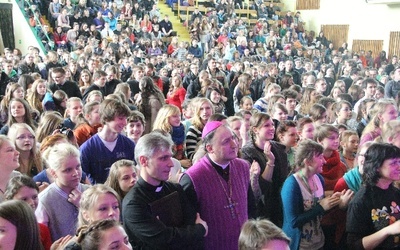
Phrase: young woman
(168, 120)
(203, 109)
(176, 94)
(123, 176)
(308, 99)
(382, 112)
(149, 102)
(363, 114)
(19, 112)
(88, 122)
(246, 103)
(85, 80)
(372, 215)
(286, 133)
(241, 90)
(49, 122)
(124, 89)
(335, 92)
(272, 160)
(24, 140)
(37, 94)
(59, 202)
(303, 198)
(343, 112)
(214, 95)
(8, 164)
(13, 90)
(19, 227)
(23, 188)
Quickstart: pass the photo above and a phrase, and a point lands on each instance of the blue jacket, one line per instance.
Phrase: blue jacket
(294, 216)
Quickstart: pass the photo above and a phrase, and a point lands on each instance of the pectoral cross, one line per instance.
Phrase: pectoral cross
(231, 206)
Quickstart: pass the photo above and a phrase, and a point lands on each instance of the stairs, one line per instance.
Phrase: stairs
(182, 31)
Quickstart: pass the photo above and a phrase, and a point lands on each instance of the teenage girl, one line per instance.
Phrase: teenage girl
(123, 176)
(168, 120)
(59, 202)
(24, 140)
(19, 112)
(36, 96)
(23, 188)
(74, 108)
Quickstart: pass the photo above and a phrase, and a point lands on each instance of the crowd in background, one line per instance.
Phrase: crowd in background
(317, 124)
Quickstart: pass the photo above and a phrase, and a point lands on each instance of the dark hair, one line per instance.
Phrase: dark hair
(284, 127)
(306, 150)
(346, 97)
(89, 237)
(16, 183)
(109, 109)
(376, 154)
(21, 215)
(325, 101)
(289, 93)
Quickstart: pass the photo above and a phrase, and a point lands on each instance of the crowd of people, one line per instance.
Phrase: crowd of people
(251, 137)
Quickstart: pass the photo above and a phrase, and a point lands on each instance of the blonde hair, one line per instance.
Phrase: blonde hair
(390, 130)
(49, 122)
(89, 199)
(55, 156)
(69, 103)
(161, 121)
(196, 120)
(375, 112)
(33, 97)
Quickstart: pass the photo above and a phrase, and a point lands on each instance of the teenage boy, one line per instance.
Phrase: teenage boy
(69, 87)
(369, 86)
(99, 81)
(109, 145)
(135, 127)
(328, 136)
(290, 104)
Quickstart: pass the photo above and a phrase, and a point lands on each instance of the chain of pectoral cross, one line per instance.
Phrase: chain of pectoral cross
(231, 204)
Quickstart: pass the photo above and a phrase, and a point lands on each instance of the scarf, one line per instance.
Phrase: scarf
(178, 134)
(353, 179)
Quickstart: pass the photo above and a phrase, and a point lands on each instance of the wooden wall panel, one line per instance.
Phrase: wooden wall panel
(307, 4)
(374, 45)
(394, 44)
(337, 34)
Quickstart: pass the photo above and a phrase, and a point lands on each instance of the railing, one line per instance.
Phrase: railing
(35, 30)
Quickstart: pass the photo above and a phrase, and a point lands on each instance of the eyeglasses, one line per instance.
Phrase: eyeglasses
(24, 137)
